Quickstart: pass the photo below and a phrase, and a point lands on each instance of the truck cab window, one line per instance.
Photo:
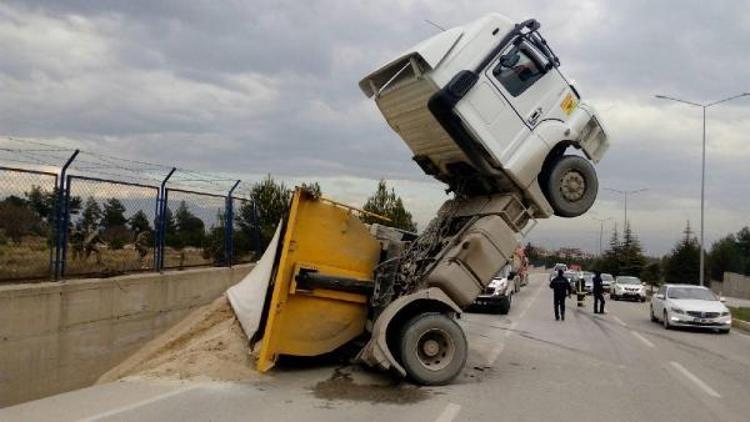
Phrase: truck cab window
(518, 75)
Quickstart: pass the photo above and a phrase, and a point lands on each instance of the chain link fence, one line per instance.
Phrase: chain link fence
(71, 213)
(110, 227)
(194, 233)
(27, 215)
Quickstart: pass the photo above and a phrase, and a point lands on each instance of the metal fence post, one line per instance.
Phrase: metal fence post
(60, 229)
(161, 222)
(229, 227)
(66, 221)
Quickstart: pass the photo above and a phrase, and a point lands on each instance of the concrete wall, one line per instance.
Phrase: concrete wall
(56, 337)
(734, 285)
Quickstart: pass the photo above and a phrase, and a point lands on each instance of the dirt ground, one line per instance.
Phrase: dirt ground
(208, 344)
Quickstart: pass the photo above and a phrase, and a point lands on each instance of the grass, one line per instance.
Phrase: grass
(740, 313)
(30, 260)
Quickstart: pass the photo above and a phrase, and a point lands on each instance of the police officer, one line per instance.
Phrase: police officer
(561, 289)
(598, 291)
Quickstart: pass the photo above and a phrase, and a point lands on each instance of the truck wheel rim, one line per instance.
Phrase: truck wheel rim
(572, 185)
(435, 349)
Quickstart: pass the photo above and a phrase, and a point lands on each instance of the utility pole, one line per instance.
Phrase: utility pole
(703, 167)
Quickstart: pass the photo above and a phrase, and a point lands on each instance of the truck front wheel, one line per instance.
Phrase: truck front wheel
(571, 186)
(433, 349)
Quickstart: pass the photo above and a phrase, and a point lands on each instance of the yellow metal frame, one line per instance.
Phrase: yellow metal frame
(322, 236)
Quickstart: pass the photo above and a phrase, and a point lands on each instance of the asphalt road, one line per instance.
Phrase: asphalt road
(524, 367)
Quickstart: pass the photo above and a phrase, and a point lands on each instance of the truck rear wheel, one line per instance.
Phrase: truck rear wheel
(571, 186)
(433, 349)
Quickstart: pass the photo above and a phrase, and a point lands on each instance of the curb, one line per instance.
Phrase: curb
(742, 325)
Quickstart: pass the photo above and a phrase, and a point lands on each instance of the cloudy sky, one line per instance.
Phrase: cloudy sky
(254, 87)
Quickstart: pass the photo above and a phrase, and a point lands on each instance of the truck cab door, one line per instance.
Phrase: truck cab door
(533, 87)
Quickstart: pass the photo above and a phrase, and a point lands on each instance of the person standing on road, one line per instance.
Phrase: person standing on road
(561, 289)
(598, 291)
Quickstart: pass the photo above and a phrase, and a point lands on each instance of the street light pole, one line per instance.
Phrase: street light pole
(703, 169)
(625, 194)
(601, 230)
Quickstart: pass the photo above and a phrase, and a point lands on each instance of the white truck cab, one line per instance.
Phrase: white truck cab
(485, 109)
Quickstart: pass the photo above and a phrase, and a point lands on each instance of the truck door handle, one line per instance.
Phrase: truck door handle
(534, 116)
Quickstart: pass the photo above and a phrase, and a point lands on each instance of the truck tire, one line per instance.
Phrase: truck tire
(433, 349)
(571, 186)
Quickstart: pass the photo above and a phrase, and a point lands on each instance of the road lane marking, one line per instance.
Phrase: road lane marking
(692, 377)
(643, 339)
(450, 413)
(495, 353)
(138, 404)
(619, 321)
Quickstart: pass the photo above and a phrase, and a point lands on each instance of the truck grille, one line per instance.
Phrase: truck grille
(703, 314)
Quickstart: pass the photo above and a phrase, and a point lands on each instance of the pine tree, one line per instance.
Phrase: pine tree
(113, 214)
(683, 264)
(138, 222)
(631, 259)
(271, 201)
(91, 216)
(611, 259)
(388, 204)
(190, 229)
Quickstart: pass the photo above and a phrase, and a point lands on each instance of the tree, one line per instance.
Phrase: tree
(91, 216)
(190, 229)
(17, 219)
(138, 222)
(170, 229)
(271, 200)
(388, 204)
(651, 273)
(313, 188)
(682, 265)
(113, 214)
(726, 256)
(611, 261)
(632, 259)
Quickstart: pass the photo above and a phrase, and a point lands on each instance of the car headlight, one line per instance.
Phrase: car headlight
(725, 314)
(676, 310)
(499, 285)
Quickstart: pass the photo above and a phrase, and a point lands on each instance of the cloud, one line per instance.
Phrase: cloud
(250, 88)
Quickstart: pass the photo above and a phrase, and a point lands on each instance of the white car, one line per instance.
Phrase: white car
(626, 287)
(486, 110)
(678, 305)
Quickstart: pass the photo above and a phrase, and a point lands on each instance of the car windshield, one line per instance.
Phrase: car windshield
(690, 293)
(628, 280)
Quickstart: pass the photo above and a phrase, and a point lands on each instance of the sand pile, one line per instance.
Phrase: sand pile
(208, 343)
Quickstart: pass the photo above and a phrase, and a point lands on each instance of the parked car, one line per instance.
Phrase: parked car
(588, 281)
(559, 267)
(626, 287)
(607, 281)
(572, 277)
(497, 296)
(679, 305)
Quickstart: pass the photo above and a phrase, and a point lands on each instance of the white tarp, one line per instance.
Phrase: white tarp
(247, 296)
